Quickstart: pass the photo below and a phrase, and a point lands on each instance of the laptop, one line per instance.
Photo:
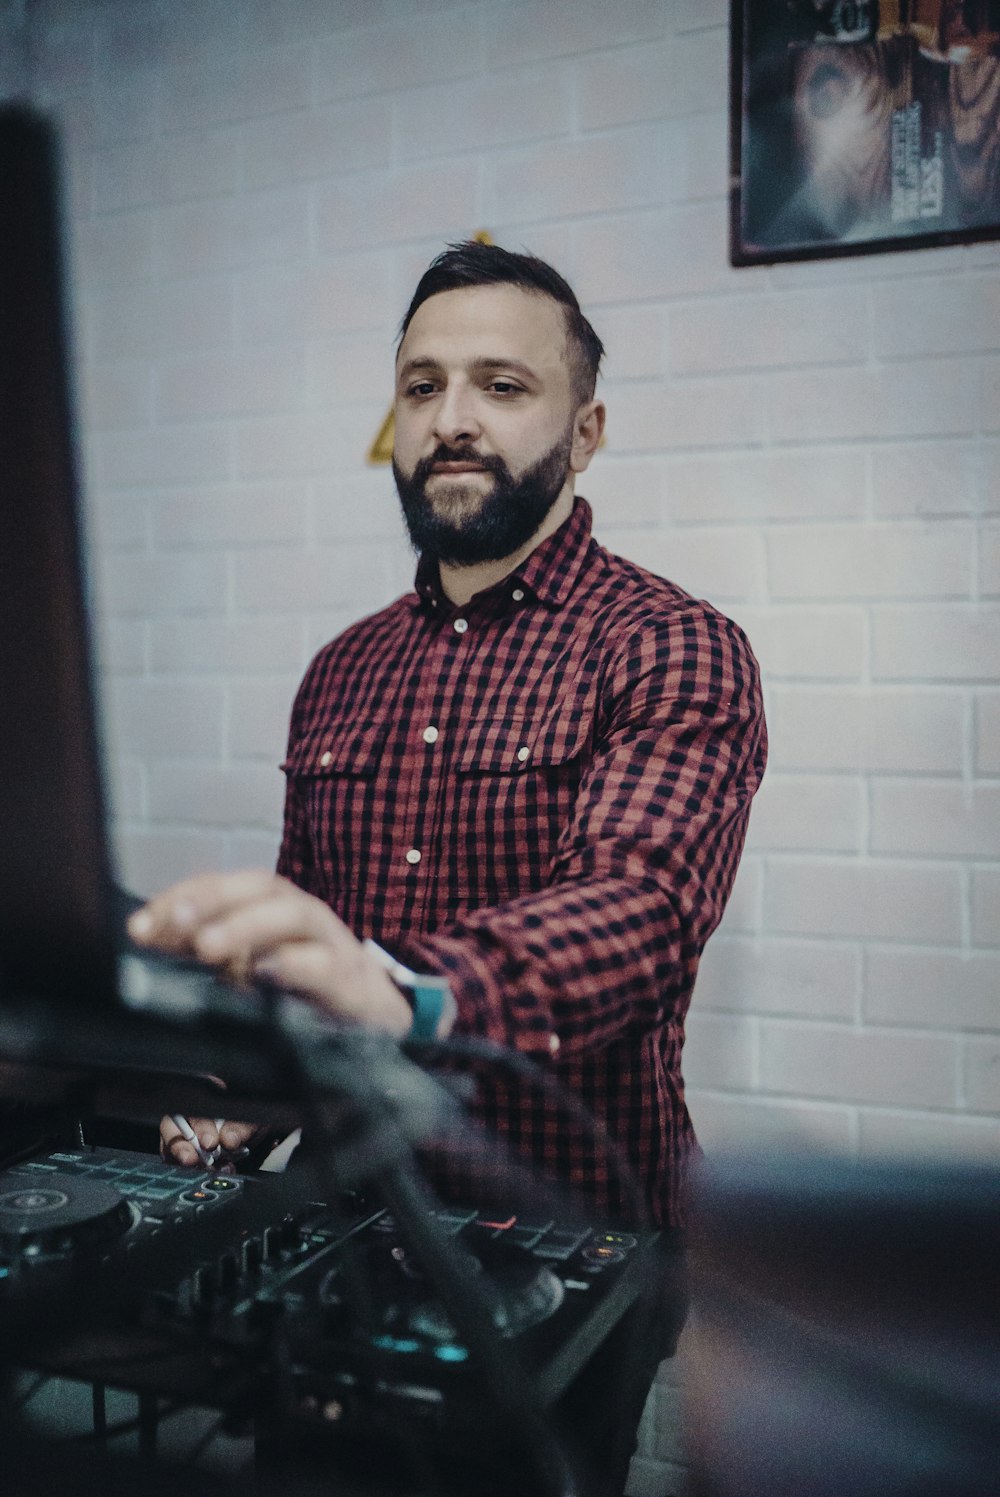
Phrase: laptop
(77, 1008)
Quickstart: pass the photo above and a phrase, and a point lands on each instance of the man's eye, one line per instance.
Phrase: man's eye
(421, 389)
(504, 387)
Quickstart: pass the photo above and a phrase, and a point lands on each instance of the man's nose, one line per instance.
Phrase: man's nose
(456, 420)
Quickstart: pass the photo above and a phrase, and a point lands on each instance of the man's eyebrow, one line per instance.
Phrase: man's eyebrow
(484, 366)
(412, 365)
(478, 366)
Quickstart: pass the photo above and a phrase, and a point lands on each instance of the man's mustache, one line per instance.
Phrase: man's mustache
(442, 454)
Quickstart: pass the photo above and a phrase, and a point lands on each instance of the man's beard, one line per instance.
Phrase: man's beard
(465, 525)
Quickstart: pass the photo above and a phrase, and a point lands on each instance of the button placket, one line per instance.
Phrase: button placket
(417, 833)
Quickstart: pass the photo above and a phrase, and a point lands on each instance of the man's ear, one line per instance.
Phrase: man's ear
(588, 428)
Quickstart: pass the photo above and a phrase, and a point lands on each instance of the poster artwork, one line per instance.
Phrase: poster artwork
(863, 125)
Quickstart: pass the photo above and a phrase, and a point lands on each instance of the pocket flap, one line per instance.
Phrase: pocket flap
(512, 746)
(341, 748)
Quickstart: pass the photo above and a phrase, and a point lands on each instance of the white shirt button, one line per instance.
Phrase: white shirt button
(461, 625)
(518, 594)
(413, 856)
(326, 760)
(523, 753)
(431, 735)
(555, 1044)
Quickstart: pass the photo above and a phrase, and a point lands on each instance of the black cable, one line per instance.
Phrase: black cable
(100, 1410)
(128, 1426)
(149, 1424)
(408, 1199)
(520, 1066)
(503, 1374)
(293, 1072)
(36, 1387)
(215, 1429)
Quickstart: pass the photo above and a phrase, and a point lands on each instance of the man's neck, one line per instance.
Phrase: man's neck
(459, 584)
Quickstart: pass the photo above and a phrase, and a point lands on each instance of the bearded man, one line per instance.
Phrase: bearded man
(530, 776)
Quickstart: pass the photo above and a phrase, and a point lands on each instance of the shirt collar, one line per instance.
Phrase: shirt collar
(548, 574)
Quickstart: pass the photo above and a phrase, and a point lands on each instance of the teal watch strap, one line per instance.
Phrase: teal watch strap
(428, 995)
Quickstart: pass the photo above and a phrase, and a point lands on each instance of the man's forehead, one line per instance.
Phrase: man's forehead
(489, 321)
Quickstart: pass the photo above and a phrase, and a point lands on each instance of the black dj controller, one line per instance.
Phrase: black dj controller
(122, 1270)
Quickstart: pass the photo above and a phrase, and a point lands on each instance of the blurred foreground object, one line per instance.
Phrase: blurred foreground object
(846, 1329)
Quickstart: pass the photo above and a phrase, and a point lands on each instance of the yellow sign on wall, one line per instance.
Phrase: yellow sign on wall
(380, 452)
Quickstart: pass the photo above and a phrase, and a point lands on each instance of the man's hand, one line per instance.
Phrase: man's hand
(256, 925)
(176, 1148)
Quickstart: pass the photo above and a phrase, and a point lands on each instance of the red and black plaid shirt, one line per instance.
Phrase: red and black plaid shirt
(542, 793)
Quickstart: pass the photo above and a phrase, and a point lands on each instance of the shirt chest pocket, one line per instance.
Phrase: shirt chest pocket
(349, 748)
(514, 746)
(332, 770)
(515, 788)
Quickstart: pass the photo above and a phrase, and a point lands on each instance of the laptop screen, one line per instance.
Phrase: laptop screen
(56, 930)
(72, 1015)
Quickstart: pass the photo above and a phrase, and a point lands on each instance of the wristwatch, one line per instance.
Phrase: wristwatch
(429, 995)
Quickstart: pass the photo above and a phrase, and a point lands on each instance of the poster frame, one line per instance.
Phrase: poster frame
(742, 250)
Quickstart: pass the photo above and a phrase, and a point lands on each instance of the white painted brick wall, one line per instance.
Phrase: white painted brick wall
(987, 744)
(930, 479)
(864, 898)
(858, 728)
(957, 642)
(986, 906)
(844, 1063)
(811, 979)
(871, 561)
(932, 989)
(776, 484)
(253, 189)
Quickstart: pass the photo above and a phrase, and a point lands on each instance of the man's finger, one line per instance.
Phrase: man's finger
(282, 914)
(171, 919)
(188, 1141)
(235, 1136)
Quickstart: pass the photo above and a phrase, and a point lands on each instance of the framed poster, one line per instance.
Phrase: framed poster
(862, 125)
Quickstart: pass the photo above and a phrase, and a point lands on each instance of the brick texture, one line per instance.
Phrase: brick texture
(252, 190)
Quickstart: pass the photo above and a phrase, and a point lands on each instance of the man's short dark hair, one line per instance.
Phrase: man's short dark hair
(471, 263)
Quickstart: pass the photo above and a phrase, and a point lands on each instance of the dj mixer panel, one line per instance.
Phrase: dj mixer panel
(194, 1284)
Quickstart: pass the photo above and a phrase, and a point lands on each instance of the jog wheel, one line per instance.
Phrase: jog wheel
(58, 1215)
